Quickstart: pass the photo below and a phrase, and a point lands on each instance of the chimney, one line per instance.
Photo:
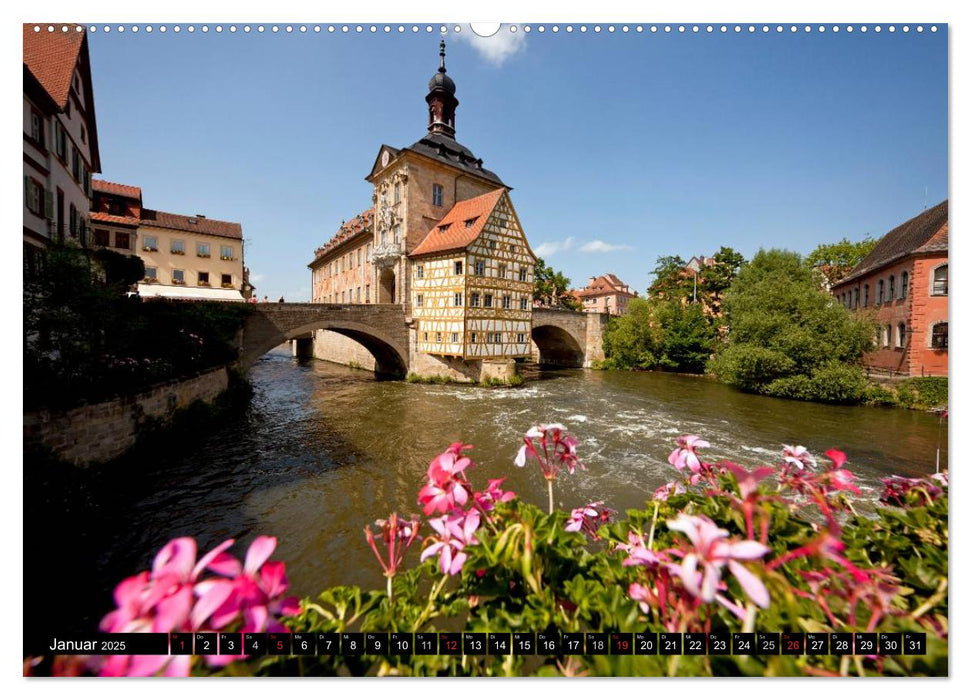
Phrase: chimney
(592, 280)
(200, 216)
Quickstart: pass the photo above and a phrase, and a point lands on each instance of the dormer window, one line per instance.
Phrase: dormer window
(469, 223)
(444, 227)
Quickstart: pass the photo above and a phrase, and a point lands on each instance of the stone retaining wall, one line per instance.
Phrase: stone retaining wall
(104, 431)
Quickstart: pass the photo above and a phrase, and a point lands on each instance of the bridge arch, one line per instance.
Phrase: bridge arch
(266, 329)
(558, 346)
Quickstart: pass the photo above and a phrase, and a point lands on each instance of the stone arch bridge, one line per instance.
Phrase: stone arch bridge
(561, 338)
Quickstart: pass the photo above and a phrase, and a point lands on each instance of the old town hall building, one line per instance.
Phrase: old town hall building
(442, 239)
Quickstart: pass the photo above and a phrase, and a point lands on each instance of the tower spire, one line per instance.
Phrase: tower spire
(441, 99)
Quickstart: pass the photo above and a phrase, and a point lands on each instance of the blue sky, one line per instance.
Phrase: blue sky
(620, 148)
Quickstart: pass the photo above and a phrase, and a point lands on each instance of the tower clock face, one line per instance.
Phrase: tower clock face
(385, 157)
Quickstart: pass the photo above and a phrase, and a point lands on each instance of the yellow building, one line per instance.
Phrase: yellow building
(186, 257)
(442, 239)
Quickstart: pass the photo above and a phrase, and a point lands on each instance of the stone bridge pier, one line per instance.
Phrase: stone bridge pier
(560, 338)
(568, 338)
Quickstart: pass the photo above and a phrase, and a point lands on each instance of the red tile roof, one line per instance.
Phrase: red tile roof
(106, 218)
(348, 230)
(52, 57)
(117, 189)
(452, 233)
(603, 285)
(192, 224)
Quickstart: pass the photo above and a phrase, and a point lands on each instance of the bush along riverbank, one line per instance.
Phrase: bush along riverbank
(721, 548)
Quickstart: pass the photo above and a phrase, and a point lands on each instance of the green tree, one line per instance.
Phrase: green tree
(550, 287)
(835, 260)
(659, 334)
(787, 337)
(669, 280)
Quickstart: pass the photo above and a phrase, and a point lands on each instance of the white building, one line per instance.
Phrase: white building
(60, 138)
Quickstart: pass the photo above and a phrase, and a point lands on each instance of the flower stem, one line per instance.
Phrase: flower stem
(390, 592)
(549, 486)
(650, 537)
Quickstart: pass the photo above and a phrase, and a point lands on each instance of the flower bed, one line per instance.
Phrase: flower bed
(719, 548)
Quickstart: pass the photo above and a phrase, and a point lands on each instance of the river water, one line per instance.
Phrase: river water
(321, 450)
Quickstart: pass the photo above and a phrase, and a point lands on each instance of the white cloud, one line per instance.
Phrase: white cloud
(257, 277)
(497, 48)
(598, 246)
(548, 248)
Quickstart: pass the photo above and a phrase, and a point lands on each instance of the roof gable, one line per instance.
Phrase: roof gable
(378, 166)
(52, 57)
(925, 232)
(461, 225)
(608, 283)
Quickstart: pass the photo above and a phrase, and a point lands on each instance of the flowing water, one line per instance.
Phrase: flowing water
(321, 450)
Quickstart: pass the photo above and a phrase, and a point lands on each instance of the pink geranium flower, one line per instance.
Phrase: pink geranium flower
(589, 518)
(447, 486)
(637, 552)
(662, 493)
(552, 447)
(798, 456)
(397, 535)
(454, 532)
(684, 456)
(175, 597)
(700, 569)
(748, 481)
(493, 494)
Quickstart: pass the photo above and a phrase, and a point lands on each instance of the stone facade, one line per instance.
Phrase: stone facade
(105, 431)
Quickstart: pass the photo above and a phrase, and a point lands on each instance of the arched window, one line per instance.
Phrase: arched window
(901, 335)
(904, 283)
(886, 336)
(880, 286)
(939, 335)
(866, 295)
(940, 281)
(856, 298)
(890, 289)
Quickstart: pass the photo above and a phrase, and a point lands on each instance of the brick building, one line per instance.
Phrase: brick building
(605, 294)
(60, 139)
(441, 237)
(902, 283)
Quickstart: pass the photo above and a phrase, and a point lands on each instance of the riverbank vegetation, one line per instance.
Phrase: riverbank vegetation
(676, 327)
(415, 378)
(921, 393)
(787, 337)
(85, 340)
(551, 287)
(722, 548)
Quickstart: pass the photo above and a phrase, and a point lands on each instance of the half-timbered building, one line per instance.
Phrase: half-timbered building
(472, 282)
